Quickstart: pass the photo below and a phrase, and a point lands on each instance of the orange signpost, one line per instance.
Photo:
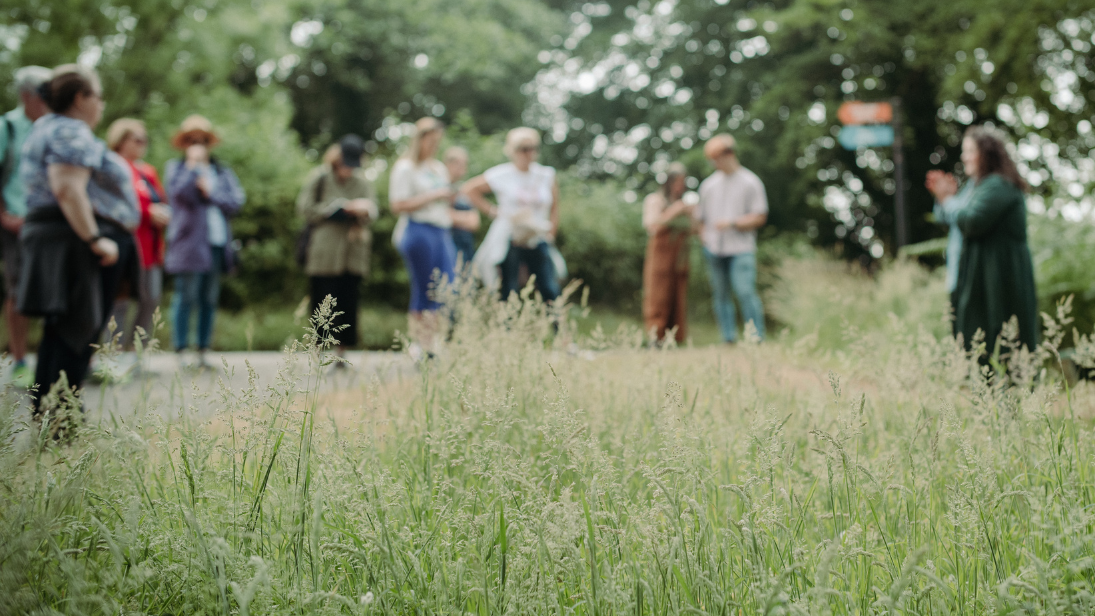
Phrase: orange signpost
(872, 125)
(856, 112)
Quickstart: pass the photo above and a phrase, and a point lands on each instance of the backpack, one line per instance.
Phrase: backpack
(304, 239)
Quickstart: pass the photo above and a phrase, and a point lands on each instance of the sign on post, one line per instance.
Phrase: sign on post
(869, 136)
(856, 112)
(876, 125)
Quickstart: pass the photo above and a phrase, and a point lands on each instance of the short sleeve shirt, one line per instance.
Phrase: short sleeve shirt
(61, 140)
(409, 180)
(725, 198)
(518, 190)
(13, 132)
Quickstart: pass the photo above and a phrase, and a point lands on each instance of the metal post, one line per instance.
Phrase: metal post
(900, 218)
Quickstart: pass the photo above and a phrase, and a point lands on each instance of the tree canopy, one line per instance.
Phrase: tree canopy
(620, 88)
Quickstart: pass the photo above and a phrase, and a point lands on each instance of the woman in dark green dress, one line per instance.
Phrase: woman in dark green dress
(995, 275)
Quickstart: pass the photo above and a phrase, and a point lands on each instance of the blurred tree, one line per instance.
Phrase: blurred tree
(619, 87)
(624, 98)
(365, 60)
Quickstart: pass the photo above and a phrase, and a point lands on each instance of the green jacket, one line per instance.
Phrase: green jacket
(995, 275)
(339, 244)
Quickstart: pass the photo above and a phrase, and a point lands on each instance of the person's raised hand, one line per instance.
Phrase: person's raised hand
(107, 251)
(160, 215)
(940, 184)
(10, 222)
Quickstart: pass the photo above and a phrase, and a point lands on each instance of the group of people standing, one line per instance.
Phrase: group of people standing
(990, 274)
(438, 214)
(89, 229)
(730, 208)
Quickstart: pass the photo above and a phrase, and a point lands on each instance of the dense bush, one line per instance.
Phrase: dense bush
(1064, 252)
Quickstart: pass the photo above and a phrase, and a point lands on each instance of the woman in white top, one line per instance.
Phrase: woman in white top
(526, 217)
(420, 193)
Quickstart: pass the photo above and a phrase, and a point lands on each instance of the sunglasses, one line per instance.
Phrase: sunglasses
(528, 149)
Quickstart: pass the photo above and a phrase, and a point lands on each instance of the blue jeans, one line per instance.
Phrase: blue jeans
(737, 273)
(538, 262)
(199, 289)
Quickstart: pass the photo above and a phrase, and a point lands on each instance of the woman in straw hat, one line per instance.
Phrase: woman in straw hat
(204, 194)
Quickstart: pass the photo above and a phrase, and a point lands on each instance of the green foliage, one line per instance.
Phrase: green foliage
(374, 58)
(1062, 260)
(602, 239)
(656, 78)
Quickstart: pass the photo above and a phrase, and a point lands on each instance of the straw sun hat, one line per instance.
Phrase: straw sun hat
(194, 126)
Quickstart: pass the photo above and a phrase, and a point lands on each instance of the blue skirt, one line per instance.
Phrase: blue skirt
(430, 256)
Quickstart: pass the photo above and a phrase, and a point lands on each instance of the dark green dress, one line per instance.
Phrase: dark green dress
(995, 275)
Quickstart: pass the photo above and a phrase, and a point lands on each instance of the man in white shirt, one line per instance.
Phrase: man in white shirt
(732, 207)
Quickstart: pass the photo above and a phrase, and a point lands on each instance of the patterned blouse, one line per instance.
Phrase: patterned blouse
(61, 140)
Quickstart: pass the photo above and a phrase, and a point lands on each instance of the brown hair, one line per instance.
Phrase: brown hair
(122, 129)
(674, 171)
(68, 81)
(993, 156)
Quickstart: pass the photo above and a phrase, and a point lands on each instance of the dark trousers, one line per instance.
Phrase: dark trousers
(54, 354)
(539, 264)
(345, 289)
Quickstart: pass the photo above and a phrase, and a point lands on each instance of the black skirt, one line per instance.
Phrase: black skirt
(345, 289)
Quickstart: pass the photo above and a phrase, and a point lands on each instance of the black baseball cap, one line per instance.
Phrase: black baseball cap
(352, 148)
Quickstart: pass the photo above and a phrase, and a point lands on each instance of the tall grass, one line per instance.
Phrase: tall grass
(520, 473)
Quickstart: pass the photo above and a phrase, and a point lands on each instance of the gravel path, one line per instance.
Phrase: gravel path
(170, 391)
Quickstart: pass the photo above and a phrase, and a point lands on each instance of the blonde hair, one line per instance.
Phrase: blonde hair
(122, 129)
(718, 144)
(333, 155)
(422, 127)
(455, 153)
(517, 137)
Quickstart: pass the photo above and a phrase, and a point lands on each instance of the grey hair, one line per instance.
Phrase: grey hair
(30, 78)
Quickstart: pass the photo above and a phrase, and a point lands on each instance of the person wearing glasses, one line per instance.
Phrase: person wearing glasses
(129, 139)
(77, 237)
(204, 194)
(732, 207)
(526, 218)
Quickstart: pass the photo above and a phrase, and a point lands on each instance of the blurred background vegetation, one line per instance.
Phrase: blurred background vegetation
(620, 89)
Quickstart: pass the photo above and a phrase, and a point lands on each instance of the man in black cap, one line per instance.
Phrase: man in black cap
(352, 148)
(338, 204)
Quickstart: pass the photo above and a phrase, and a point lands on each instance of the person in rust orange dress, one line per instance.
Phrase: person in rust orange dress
(668, 223)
